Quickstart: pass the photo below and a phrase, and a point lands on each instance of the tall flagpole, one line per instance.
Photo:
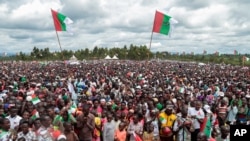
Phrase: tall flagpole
(151, 36)
(243, 61)
(150, 44)
(59, 44)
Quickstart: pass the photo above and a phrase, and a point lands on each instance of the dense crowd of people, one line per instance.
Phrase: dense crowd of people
(122, 101)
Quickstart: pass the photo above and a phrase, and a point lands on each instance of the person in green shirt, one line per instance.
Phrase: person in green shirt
(5, 133)
(57, 119)
(2, 114)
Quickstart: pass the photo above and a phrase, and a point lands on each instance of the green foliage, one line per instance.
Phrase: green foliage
(131, 52)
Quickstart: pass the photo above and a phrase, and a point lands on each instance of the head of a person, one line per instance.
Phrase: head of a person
(136, 118)
(123, 106)
(117, 116)
(104, 113)
(13, 111)
(223, 102)
(65, 115)
(51, 112)
(109, 117)
(225, 129)
(37, 123)
(26, 115)
(5, 124)
(184, 112)
(61, 138)
(169, 109)
(198, 105)
(123, 115)
(130, 105)
(122, 126)
(201, 136)
(25, 127)
(1, 111)
(150, 105)
(215, 132)
(153, 113)
(67, 126)
(150, 128)
(85, 109)
(96, 103)
(46, 121)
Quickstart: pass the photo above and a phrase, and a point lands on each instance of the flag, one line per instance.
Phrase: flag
(61, 22)
(206, 126)
(137, 137)
(163, 23)
(235, 52)
(204, 52)
(216, 53)
(34, 114)
(35, 99)
(72, 108)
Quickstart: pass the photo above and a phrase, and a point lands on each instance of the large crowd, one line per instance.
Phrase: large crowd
(122, 101)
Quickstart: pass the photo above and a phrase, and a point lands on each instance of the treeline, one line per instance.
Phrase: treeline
(132, 52)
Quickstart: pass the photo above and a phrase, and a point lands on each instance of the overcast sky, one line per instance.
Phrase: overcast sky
(209, 25)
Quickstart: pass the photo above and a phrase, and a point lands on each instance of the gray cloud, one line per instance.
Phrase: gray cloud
(203, 25)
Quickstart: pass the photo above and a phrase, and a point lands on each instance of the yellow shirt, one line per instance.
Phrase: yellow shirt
(167, 120)
(98, 123)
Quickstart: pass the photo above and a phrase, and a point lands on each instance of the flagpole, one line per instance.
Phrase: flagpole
(150, 43)
(151, 35)
(243, 60)
(59, 44)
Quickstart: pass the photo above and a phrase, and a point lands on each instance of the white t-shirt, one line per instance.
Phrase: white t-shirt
(199, 114)
(14, 121)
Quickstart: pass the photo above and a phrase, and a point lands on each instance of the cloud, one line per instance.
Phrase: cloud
(203, 25)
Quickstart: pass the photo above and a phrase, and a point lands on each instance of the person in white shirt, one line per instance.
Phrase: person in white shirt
(14, 118)
(197, 115)
(152, 119)
(25, 133)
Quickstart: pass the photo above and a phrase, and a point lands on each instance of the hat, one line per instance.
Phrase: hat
(188, 92)
(131, 111)
(28, 98)
(207, 109)
(155, 99)
(221, 93)
(159, 106)
(61, 137)
(138, 87)
(247, 95)
(30, 92)
(109, 103)
(38, 84)
(102, 100)
(170, 106)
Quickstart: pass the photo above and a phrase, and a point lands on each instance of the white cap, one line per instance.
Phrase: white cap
(207, 109)
(247, 95)
(138, 87)
(30, 92)
(38, 84)
(61, 137)
(221, 93)
(28, 98)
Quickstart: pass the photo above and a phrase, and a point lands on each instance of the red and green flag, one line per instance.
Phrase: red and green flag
(206, 126)
(61, 22)
(163, 23)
